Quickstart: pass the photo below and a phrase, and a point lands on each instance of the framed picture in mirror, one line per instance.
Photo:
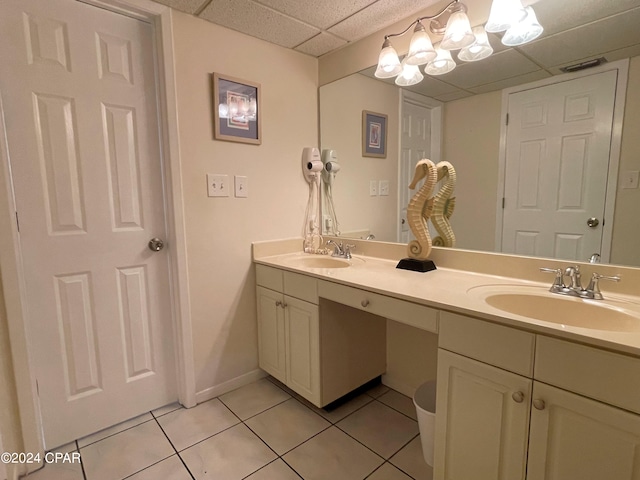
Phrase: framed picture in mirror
(374, 134)
(236, 110)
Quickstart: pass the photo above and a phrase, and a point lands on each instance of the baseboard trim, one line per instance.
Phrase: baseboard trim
(237, 382)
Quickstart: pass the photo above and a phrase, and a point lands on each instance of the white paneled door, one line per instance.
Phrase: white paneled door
(415, 145)
(557, 162)
(78, 85)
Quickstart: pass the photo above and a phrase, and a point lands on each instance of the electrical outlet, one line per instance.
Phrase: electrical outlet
(373, 188)
(242, 186)
(383, 188)
(328, 223)
(217, 185)
(630, 179)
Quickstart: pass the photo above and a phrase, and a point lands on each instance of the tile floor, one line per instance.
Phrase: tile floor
(262, 431)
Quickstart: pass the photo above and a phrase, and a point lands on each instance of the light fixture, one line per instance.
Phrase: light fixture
(442, 64)
(410, 75)
(504, 14)
(421, 50)
(520, 25)
(526, 30)
(388, 61)
(479, 49)
(458, 32)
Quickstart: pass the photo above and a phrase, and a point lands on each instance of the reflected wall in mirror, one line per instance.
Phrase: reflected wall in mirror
(471, 135)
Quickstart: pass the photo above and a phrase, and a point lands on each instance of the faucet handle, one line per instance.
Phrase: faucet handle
(558, 282)
(594, 287)
(347, 250)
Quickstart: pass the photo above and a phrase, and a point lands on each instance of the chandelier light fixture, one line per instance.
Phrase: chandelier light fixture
(519, 24)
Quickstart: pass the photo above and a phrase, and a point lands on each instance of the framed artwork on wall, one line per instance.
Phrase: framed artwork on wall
(374, 134)
(236, 110)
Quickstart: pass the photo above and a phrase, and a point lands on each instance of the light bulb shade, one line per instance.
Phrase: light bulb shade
(388, 62)
(504, 14)
(523, 32)
(442, 64)
(410, 75)
(458, 33)
(478, 50)
(421, 50)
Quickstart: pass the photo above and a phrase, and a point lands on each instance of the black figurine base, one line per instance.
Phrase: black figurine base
(416, 265)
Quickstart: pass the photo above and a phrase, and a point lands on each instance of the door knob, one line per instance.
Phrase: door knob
(518, 397)
(155, 244)
(539, 404)
(593, 222)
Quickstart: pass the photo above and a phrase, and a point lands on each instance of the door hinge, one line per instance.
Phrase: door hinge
(17, 222)
(502, 202)
(507, 120)
(37, 388)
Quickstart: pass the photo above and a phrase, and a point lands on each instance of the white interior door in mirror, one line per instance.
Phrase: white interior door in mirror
(79, 93)
(557, 162)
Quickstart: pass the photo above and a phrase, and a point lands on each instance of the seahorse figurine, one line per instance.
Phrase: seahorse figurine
(419, 209)
(443, 206)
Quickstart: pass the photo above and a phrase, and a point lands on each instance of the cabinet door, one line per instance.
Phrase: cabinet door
(271, 333)
(482, 421)
(303, 348)
(573, 437)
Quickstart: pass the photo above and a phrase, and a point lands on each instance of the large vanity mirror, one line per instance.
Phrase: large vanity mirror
(458, 117)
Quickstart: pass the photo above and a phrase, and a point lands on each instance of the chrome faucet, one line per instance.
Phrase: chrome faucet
(341, 250)
(574, 288)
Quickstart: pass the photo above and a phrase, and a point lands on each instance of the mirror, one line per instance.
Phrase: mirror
(471, 107)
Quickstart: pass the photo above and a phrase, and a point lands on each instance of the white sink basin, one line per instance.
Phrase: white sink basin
(538, 303)
(321, 261)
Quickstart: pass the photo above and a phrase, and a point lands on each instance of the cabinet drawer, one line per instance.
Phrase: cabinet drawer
(299, 286)
(606, 376)
(402, 311)
(269, 277)
(496, 345)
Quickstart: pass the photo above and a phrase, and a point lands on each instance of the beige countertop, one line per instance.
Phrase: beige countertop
(456, 291)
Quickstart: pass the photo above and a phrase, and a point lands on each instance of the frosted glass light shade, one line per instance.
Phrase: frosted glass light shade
(458, 33)
(478, 50)
(523, 32)
(421, 50)
(504, 14)
(442, 64)
(388, 62)
(410, 75)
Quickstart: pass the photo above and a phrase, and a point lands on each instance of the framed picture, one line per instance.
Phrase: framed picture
(374, 134)
(236, 110)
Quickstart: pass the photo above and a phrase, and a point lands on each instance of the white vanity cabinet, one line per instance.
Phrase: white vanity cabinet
(288, 330)
(501, 418)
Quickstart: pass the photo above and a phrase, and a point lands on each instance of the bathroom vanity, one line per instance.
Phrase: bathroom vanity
(518, 397)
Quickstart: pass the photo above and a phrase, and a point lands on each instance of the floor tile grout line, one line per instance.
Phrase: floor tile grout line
(174, 449)
(113, 434)
(84, 474)
(255, 415)
(393, 408)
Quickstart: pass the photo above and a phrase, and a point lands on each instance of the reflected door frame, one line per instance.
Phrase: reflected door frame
(622, 67)
(435, 151)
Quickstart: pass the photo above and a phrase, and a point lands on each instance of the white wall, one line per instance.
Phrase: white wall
(220, 230)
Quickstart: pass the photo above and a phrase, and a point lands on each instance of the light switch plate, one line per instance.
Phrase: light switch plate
(217, 185)
(242, 186)
(383, 188)
(373, 188)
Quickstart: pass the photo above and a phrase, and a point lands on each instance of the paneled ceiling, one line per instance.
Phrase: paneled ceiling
(574, 31)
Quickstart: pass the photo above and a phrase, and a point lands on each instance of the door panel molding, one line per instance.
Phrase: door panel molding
(10, 253)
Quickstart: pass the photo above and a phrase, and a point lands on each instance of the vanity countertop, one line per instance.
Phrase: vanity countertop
(452, 290)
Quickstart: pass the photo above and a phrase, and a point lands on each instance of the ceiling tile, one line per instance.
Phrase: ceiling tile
(498, 66)
(330, 13)
(258, 21)
(188, 6)
(457, 95)
(321, 44)
(611, 56)
(432, 87)
(556, 16)
(376, 17)
(511, 82)
(612, 33)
